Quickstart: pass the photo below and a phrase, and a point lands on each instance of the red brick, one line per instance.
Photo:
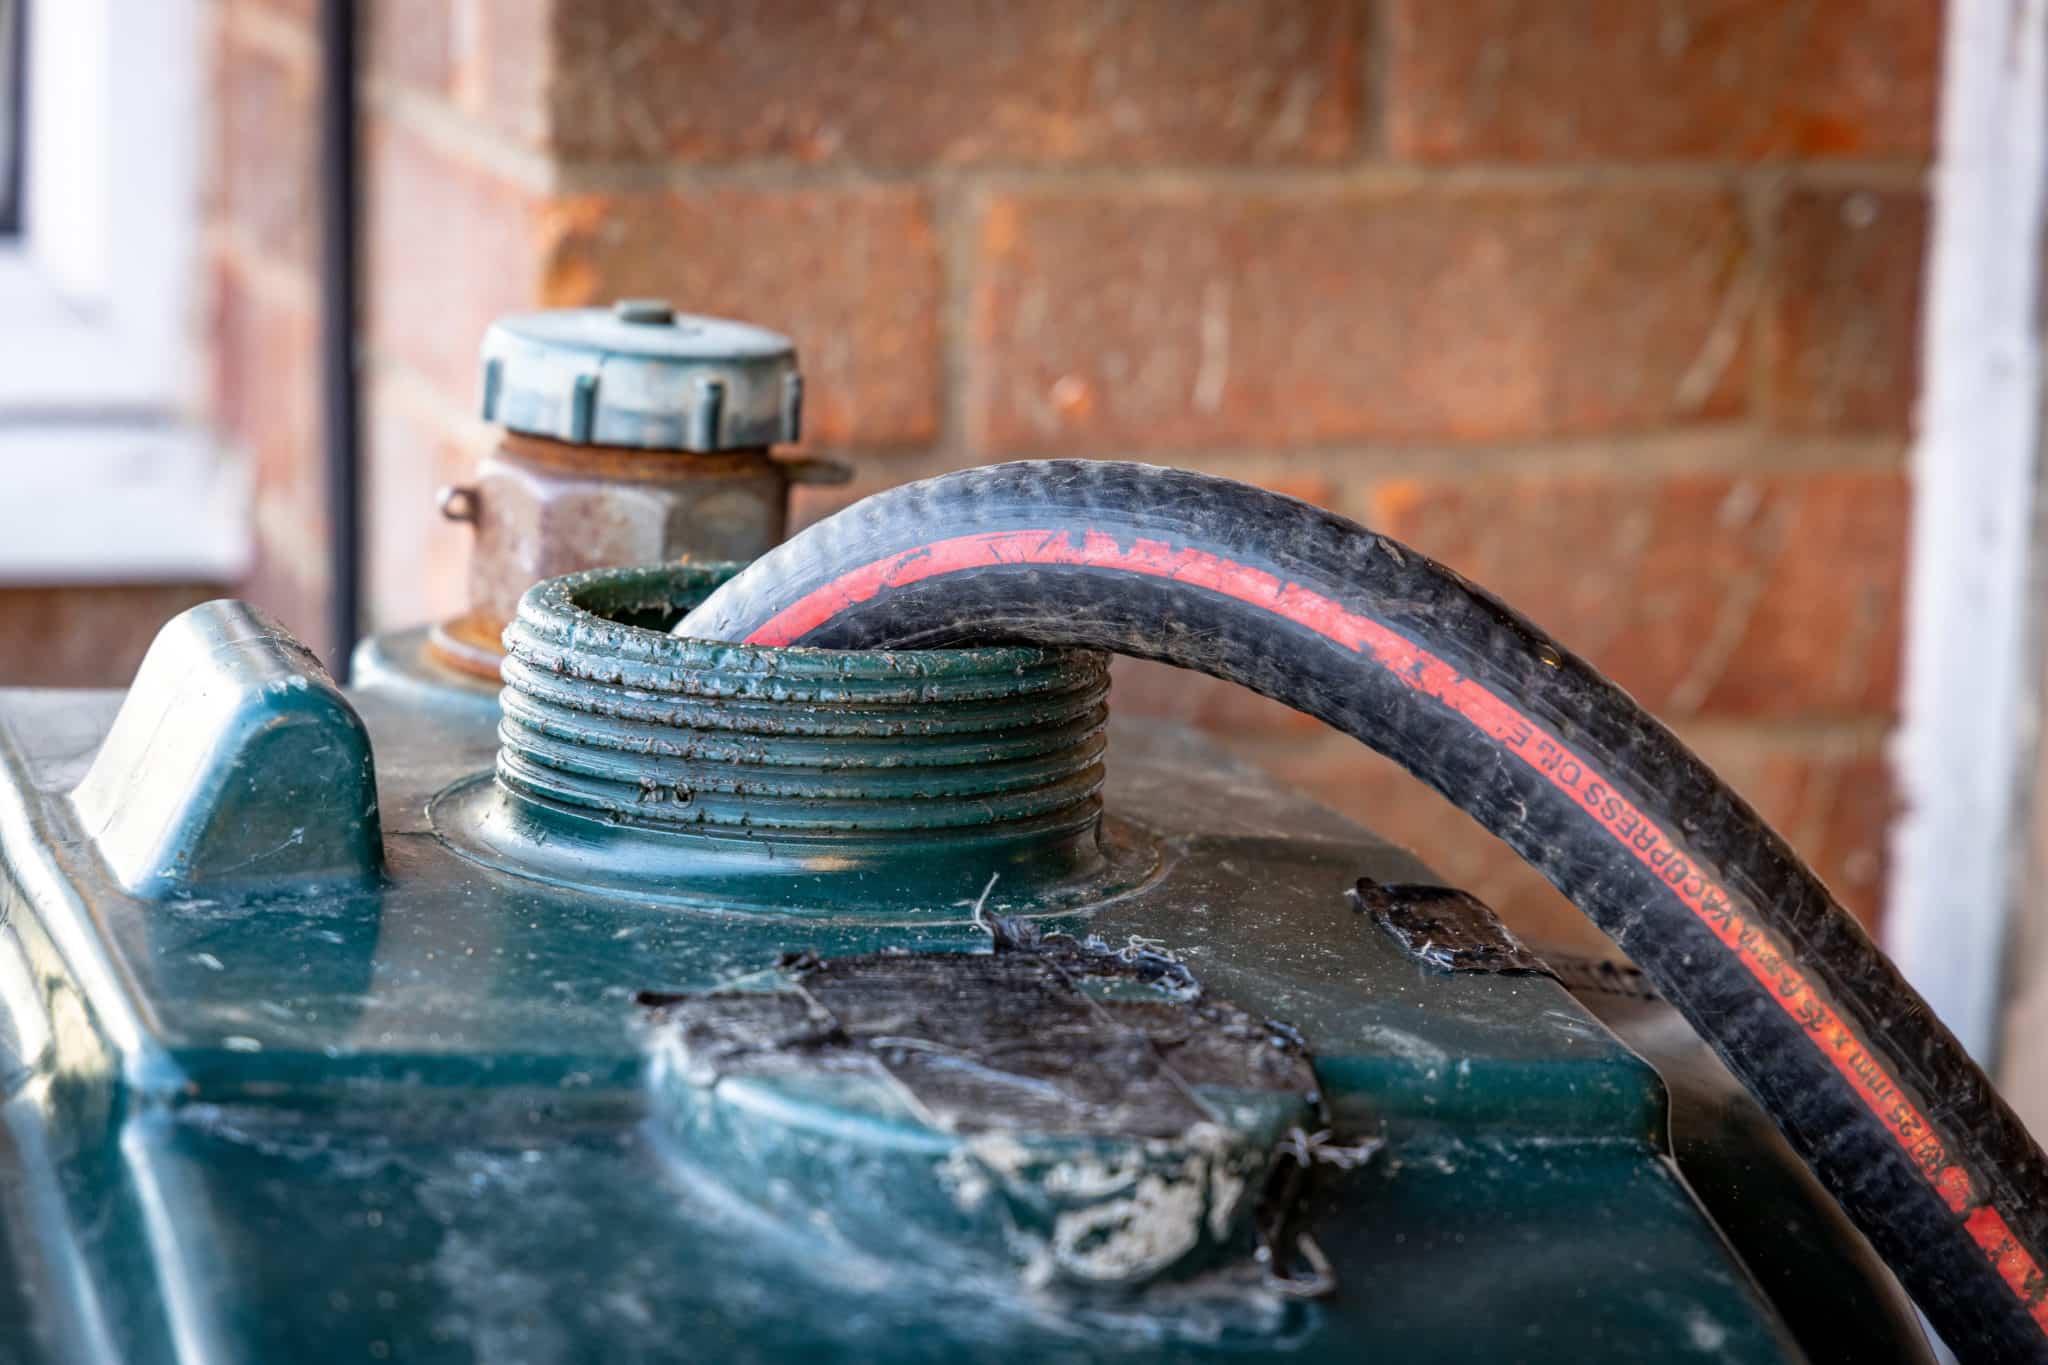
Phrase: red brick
(265, 397)
(411, 43)
(301, 13)
(266, 148)
(86, 636)
(1837, 813)
(1846, 319)
(1539, 80)
(417, 568)
(279, 582)
(1041, 81)
(1144, 688)
(492, 59)
(852, 276)
(263, 374)
(1108, 321)
(448, 247)
(1768, 595)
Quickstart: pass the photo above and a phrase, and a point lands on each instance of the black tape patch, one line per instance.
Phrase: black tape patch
(1044, 1036)
(1449, 930)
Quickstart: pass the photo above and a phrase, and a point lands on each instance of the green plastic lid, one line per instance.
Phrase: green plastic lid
(641, 374)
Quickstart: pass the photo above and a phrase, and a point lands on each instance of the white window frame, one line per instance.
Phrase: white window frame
(1964, 752)
(104, 476)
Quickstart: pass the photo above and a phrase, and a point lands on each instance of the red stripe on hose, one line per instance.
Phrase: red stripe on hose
(1708, 900)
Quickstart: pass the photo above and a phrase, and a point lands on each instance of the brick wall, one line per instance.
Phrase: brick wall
(1612, 306)
(86, 635)
(261, 257)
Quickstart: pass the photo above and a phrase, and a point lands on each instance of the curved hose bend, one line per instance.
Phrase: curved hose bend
(1320, 613)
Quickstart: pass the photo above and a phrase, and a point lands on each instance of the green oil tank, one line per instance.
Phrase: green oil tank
(690, 1001)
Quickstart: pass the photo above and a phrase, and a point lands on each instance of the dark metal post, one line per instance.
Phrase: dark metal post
(338, 385)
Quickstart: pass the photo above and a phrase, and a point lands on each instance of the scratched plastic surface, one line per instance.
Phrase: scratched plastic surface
(412, 1122)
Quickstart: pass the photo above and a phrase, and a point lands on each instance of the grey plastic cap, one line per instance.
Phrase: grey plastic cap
(641, 374)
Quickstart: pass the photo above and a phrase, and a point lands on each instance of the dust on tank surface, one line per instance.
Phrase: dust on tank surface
(749, 1004)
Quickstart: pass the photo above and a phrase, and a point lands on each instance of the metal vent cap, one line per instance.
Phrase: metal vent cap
(641, 374)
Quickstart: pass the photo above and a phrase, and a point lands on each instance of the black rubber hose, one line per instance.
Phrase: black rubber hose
(1399, 651)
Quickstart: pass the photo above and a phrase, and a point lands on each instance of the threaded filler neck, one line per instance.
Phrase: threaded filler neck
(737, 773)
